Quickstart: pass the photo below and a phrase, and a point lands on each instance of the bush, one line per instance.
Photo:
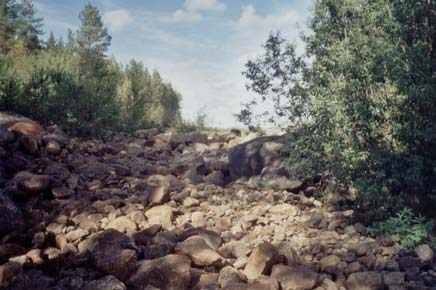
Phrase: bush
(410, 229)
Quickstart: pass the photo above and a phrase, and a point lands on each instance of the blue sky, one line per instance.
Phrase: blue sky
(198, 45)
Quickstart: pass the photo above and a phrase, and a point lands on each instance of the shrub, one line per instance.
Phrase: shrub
(410, 229)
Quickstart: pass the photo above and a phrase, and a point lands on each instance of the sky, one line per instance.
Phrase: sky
(200, 46)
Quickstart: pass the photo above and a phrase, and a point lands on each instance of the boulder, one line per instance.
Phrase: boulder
(284, 209)
(8, 273)
(159, 188)
(32, 183)
(53, 147)
(250, 158)
(200, 253)
(279, 178)
(6, 137)
(122, 224)
(160, 215)
(106, 283)
(424, 253)
(364, 281)
(168, 273)
(113, 253)
(54, 137)
(261, 260)
(294, 277)
(229, 275)
(188, 161)
(393, 278)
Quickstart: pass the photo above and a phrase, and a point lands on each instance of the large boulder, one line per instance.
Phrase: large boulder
(172, 272)
(199, 251)
(160, 187)
(250, 158)
(295, 277)
(261, 260)
(113, 253)
(32, 183)
(280, 178)
(364, 281)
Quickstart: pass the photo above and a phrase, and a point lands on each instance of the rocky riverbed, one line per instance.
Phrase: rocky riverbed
(179, 211)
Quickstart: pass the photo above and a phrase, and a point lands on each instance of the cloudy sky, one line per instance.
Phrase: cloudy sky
(198, 45)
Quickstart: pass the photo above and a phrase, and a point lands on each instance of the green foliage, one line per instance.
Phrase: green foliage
(74, 84)
(410, 229)
(264, 184)
(360, 99)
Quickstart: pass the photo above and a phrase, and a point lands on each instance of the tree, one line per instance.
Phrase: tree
(29, 27)
(71, 41)
(9, 10)
(364, 90)
(51, 42)
(92, 38)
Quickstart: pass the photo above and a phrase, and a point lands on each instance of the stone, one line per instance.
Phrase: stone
(250, 158)
(200, 253)
(294, 277)
(261, 260)
(160, 215)
(203, 280)
(168, 273)
(424, 253)
(230, 275)
(159, 189)
(32, 183)
(113, 253)
(122, 224)
(364, 281)
(76, 235)
(10, 250)
(106, 283)
(393, 278)
(279, 178)
(284, 209)
(9, 272)
(53, 147)
(315, 219)
(61, 192)
(329, 263)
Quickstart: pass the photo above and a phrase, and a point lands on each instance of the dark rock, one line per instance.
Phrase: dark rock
(106, 283)
(168, 273)
(32, 183)
(250, 158)
(113, 253)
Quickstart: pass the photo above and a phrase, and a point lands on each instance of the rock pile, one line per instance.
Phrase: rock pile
(177, 211)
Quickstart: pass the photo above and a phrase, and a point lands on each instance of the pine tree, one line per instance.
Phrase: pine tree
(9, 10)
(29, 26)
(92, 38)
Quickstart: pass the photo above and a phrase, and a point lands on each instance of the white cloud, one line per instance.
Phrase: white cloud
(205, 5)
(117, 20)
(249, 19)
(182, 16)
